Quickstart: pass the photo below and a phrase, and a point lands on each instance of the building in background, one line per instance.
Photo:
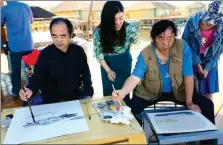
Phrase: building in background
(39, 12)
(76, 9)
(149, 9)
(99, 5)
(42, 18)
(191, 9)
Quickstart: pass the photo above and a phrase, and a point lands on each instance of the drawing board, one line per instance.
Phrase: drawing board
(180, 122)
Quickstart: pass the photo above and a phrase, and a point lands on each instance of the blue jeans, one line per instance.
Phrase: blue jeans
(16, 58)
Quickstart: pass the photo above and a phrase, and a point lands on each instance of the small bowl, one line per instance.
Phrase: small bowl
(107, 116)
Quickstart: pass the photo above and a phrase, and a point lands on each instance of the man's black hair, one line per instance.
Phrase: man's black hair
(65, 21)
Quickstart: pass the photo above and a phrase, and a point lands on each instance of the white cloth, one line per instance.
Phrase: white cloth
(124, 116)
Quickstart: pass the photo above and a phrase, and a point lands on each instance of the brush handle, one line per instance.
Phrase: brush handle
(119, 102)
(29, 106)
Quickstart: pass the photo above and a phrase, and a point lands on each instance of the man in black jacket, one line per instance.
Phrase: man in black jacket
(60, 69)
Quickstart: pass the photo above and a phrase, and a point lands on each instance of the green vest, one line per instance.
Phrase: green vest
(150, 87)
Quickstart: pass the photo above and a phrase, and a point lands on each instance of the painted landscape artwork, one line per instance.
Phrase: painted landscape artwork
(52, 120)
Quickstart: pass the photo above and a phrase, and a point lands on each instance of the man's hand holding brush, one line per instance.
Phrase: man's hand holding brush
(118, 95)
(25, 94)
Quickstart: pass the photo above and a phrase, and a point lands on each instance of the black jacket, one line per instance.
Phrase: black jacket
(57, 74)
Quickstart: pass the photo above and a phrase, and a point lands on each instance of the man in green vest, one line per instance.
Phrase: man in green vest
(163, 72)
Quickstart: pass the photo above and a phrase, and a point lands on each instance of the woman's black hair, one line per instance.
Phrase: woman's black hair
(65, 21)
(161, 26)
(108, 34)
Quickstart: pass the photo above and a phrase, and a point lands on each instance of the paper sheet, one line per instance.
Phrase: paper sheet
(180, 122)
(52, 120)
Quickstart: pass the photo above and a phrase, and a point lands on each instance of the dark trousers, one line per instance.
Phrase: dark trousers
(16, 58)
(138, 104)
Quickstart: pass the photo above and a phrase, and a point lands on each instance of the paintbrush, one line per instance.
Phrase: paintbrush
(29, 106)
(116, 93)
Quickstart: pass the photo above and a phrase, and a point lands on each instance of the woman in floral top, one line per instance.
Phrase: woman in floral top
(112, 41)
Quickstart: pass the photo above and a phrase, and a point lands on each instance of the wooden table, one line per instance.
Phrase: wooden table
(100, 132)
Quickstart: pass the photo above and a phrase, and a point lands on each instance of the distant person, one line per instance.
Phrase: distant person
(61, 69)
(204, 35)
(18, 18)
(112, 41)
